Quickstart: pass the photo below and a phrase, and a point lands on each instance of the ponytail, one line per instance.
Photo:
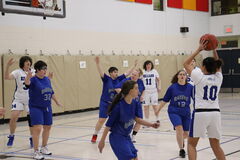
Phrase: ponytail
(126, 87)
(116, 99)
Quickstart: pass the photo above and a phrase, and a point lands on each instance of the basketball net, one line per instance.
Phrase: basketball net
(48, 6)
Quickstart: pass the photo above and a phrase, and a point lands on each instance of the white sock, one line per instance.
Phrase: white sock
(95, 132)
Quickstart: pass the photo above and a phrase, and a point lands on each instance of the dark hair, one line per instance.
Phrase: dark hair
(39, 65)
(126, 87)
(112, 69)
(24, 59)
(146, 63)
(211, 64)
(175, 77)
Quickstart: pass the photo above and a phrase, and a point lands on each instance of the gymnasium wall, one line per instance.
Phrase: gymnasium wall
(217, 24)
(106, 26)
(80, 88)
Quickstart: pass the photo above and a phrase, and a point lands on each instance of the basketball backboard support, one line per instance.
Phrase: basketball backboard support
(32, 7)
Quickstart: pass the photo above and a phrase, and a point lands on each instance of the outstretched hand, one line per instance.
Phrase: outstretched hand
(10, 62)
(50, 75)
(203, 44)
(97, 60)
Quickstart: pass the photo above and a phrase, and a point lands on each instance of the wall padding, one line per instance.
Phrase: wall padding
(80, 88)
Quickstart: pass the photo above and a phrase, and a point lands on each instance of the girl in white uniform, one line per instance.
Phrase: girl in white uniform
(152, 85)
(20, 99)
(206, 115)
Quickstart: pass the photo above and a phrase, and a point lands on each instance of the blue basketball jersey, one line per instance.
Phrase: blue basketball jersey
(108, 91)
(141, 87)
(179, 95)
(40, 92)
(122, 117)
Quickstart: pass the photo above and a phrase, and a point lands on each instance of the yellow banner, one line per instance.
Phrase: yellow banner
(189, 4)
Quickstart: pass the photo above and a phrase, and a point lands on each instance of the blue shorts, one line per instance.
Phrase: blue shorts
(103, 108)
(41, 116)
(122, 147)
(179, 117)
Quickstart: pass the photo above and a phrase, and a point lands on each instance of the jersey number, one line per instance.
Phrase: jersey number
(148, 81)
(24, 87)
(47, 97)
(212, 94)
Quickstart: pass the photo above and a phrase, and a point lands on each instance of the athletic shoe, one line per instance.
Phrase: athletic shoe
(94, 138)
(10, 140)
(182, 153)
(37, 155)
(44, 150)
(133, 139)
(31, 142)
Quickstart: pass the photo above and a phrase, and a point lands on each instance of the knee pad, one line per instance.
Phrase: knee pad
(29, 120)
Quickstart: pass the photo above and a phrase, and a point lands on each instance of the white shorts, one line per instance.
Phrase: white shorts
(19, 106)
(150, 98)
(206, 123)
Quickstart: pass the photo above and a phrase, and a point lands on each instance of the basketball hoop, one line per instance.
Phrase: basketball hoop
(48, 6)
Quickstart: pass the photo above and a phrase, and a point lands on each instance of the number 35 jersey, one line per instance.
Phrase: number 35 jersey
(206, 89)
(21, 92)
(149, 79)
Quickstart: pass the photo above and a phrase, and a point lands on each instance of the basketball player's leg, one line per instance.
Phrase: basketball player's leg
(192, 144)
(217, 150)
(214, 134)
(101, 120)
(179, 136)
(46, 131)
(13, 120)
(17, 109)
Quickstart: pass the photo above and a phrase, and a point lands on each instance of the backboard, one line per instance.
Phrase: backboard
(32, 7)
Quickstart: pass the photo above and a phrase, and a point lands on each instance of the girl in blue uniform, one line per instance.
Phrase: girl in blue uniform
(40, 95)
(135, 76)
(124, 111)
(108, 93)
(179, 94)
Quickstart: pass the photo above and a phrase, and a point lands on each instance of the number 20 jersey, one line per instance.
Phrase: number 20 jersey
(149, 79)
(206, 89)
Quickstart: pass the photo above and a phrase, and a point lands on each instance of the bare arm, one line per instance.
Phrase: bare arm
(146, 123)
(27, 79)
(187, 63)
(159, 85)
(128, 72)
(99, 68)
(216, 57)
(1, 111)
(56, 101)
(101, 143)
(142, 96)
(162, 104)
(7, 75)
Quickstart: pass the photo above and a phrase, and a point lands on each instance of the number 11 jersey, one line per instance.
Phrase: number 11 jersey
(149, 80)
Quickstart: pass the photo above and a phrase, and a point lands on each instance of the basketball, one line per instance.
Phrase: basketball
(212, 41)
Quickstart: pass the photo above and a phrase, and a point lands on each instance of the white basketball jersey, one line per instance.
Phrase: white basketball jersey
(149, 79)
(206, 89)
(21, 92)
